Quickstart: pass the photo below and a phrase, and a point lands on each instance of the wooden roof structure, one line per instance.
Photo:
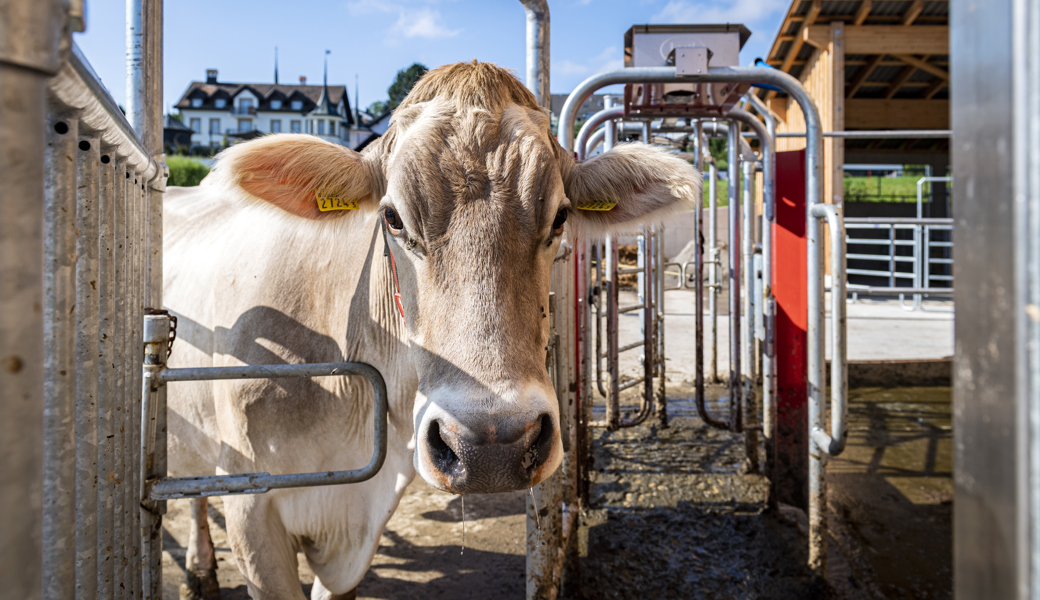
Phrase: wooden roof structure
(868, 65)
(894, 49)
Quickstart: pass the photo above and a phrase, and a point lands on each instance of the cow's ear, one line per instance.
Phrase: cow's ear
(301, 174)
(630, 185)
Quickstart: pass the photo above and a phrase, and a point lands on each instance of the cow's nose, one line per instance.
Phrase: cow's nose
(504, 456)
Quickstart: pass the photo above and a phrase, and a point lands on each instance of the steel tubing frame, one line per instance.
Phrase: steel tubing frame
(814, 195)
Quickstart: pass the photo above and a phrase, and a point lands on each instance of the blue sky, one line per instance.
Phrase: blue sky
(374, 38)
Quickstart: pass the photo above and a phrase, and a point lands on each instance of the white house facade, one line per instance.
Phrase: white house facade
(220, 113)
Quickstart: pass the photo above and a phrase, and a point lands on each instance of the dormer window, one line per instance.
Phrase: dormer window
(297, 105)
(196, 102)
(276, 104)
(220, 103)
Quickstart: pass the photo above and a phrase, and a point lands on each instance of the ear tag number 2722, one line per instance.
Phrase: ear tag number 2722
(328, 202)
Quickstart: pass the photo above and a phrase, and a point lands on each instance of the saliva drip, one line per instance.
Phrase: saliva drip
(463, 550)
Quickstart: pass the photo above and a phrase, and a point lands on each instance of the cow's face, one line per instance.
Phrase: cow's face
(474, 199)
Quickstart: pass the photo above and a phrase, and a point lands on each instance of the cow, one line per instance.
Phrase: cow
(436, 272)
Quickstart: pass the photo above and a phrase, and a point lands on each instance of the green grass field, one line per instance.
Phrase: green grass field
(185, 171)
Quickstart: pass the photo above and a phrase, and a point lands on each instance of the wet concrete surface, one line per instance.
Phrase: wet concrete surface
(892, 489)
(675, 514)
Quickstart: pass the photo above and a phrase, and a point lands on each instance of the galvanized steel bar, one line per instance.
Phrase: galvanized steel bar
(769, 303)
(610, 271)
(736, 384)
(714, 281)
(659, 311)
(747, 342)
(603, 117)
(187, 487)
(834, 444)
(698, 270)
(88, 159)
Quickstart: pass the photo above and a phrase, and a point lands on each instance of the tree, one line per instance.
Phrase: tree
(377, 108)
(403, 83)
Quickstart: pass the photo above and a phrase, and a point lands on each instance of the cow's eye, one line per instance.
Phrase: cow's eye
(393, 220)
(561, 218)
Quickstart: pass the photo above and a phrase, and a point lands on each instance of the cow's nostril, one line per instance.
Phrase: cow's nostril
(443, 457)
(540, 450)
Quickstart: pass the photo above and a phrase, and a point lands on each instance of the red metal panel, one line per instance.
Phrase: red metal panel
(789, 289)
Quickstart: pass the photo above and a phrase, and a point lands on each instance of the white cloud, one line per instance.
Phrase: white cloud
(720, 11)
(412, 21)
(425, 23)
(608, 60)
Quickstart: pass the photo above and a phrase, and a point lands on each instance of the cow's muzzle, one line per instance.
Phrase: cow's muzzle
(493, 454)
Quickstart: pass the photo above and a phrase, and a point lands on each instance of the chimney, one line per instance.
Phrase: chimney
(303, 80)
(211, 75)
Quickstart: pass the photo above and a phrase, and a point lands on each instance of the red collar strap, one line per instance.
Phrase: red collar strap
(393, 267)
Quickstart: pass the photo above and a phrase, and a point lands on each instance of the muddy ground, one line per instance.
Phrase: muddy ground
(675, 514)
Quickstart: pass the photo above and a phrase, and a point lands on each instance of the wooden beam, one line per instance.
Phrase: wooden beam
(863, 12)
(818, 37)
(862, 113)
(861, 76)
(796, 47)
(933, 89)
(924, 65)
(887, 39)
(913, 12)
(898, 82)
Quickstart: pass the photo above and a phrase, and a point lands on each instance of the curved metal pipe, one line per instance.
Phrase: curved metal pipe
(595, 141)
(603, 116)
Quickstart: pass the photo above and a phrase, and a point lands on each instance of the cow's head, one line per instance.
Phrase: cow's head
(475, 194)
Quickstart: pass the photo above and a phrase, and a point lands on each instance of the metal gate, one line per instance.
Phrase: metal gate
(743, 341)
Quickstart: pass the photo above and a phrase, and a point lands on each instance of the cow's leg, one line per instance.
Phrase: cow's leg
(200, 568)
(319, 592)
(264, 551)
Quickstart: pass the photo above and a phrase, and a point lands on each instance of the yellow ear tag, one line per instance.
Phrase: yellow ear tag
(597, 205)
(328, 202)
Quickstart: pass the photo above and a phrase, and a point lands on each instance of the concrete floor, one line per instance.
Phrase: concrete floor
(877, 330)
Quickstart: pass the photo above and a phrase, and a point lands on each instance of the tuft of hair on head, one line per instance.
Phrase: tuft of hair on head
(472, 84)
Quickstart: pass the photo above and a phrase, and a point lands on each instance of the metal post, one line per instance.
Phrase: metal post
(769, 303)
(714, 282)
(733, 180)
(611, 288)
(748, 314)
(662, 398)
(538, 50)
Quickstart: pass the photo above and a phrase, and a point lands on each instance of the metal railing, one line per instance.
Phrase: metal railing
(913, 255)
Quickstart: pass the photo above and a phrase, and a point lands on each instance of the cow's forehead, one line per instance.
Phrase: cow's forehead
(500, 161)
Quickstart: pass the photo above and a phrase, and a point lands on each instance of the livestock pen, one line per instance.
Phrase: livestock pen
(673, 483)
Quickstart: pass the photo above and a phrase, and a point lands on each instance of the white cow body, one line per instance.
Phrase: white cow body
(249, 288)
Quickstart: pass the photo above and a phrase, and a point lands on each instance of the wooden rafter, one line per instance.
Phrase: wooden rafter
(913, 12)
(796, 47)
(861, 76)
(934, 88)
(863, 12)
(924, 65)
(893, 88)
(888, 39)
